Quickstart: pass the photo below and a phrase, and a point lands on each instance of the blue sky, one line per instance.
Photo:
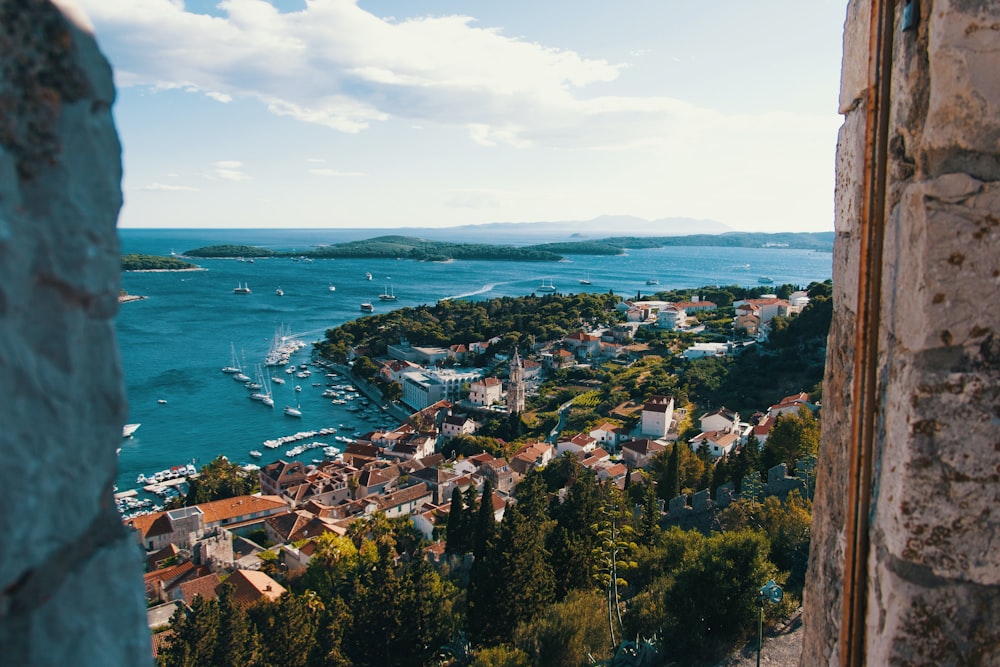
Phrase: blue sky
(366, 113)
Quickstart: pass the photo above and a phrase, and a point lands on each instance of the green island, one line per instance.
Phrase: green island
(403, 247)
(425, 250)
(820, 241)
(136, 262)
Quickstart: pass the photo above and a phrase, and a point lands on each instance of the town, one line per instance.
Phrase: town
(607, 426)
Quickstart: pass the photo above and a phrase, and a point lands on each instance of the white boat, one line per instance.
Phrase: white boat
(368, 275)
(161, 401)
(277, 380)
(129, 429)
(234, 364)
(367, 308)
(332, 288)
(388, 294)
(298, 387)
(652, 281)
(279, 292)
(547, 286)
(241, 288)
(293, 412)
(256, 453)
(585, 281)
(290, 370)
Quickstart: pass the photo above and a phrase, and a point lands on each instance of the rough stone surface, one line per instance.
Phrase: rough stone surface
(933, 569)
(70, 590)
(854, 70)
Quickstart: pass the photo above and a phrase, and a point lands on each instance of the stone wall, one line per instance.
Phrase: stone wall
(70, 576)
(933, 572)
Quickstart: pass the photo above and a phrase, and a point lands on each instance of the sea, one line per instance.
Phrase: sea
(174, 342)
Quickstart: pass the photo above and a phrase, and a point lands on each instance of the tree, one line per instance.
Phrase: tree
(291, 630)
(237, 643)
(672, 475)
(485, 526)
(709, 601)
(522, 565)
(456, 538)
(575, 531)
(364, 367)
(792, 437)
(567, 633)
(649, 520)
(219, 479)
(613, 553)
(195, 635)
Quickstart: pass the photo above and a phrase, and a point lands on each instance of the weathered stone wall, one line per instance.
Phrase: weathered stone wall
(70, 578)
(933, 572)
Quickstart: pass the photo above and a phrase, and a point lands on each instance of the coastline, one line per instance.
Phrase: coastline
(196, 268)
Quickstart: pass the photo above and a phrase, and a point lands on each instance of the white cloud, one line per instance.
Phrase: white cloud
(334, 172)
(227, 170)
(162, 187)
(334, 64)
(220, 97)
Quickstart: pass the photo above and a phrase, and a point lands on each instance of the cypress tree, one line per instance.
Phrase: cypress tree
(454, 541)
(649, 522)
(485, 526)
(672, 476)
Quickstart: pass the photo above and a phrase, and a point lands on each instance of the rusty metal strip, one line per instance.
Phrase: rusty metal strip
(865, 401)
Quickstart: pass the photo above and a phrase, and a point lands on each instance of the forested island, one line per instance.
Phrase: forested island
(402, 247)
(821, 241)
(407, 247)
(137, 262)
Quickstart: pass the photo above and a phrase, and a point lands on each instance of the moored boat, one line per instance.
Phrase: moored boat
(367, 308)
(547, 286)
(129, 429)
(241, 288)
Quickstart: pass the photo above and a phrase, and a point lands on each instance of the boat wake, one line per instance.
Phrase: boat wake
(482, 290)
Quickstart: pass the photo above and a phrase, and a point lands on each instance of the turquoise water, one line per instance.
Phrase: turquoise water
(174, 343)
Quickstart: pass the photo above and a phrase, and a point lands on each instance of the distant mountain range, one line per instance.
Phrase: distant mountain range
(577, 230)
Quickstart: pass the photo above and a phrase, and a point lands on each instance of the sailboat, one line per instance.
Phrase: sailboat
(547, 286)
(241, 288)
(234, 366)
(387, 294)
(257, 387)
(279, 292)
(240, 376)
(585, 281)
(332, 288)
(294, 412)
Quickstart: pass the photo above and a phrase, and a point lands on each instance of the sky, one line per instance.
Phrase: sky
(430, 113)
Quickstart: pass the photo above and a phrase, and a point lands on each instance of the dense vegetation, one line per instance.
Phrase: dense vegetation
(539, 590)
(136, 262)
(430, 251)
(408, 247)
(517, 321)
(231, 251)
(618, 245)
(217, 480)
(403, 247)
